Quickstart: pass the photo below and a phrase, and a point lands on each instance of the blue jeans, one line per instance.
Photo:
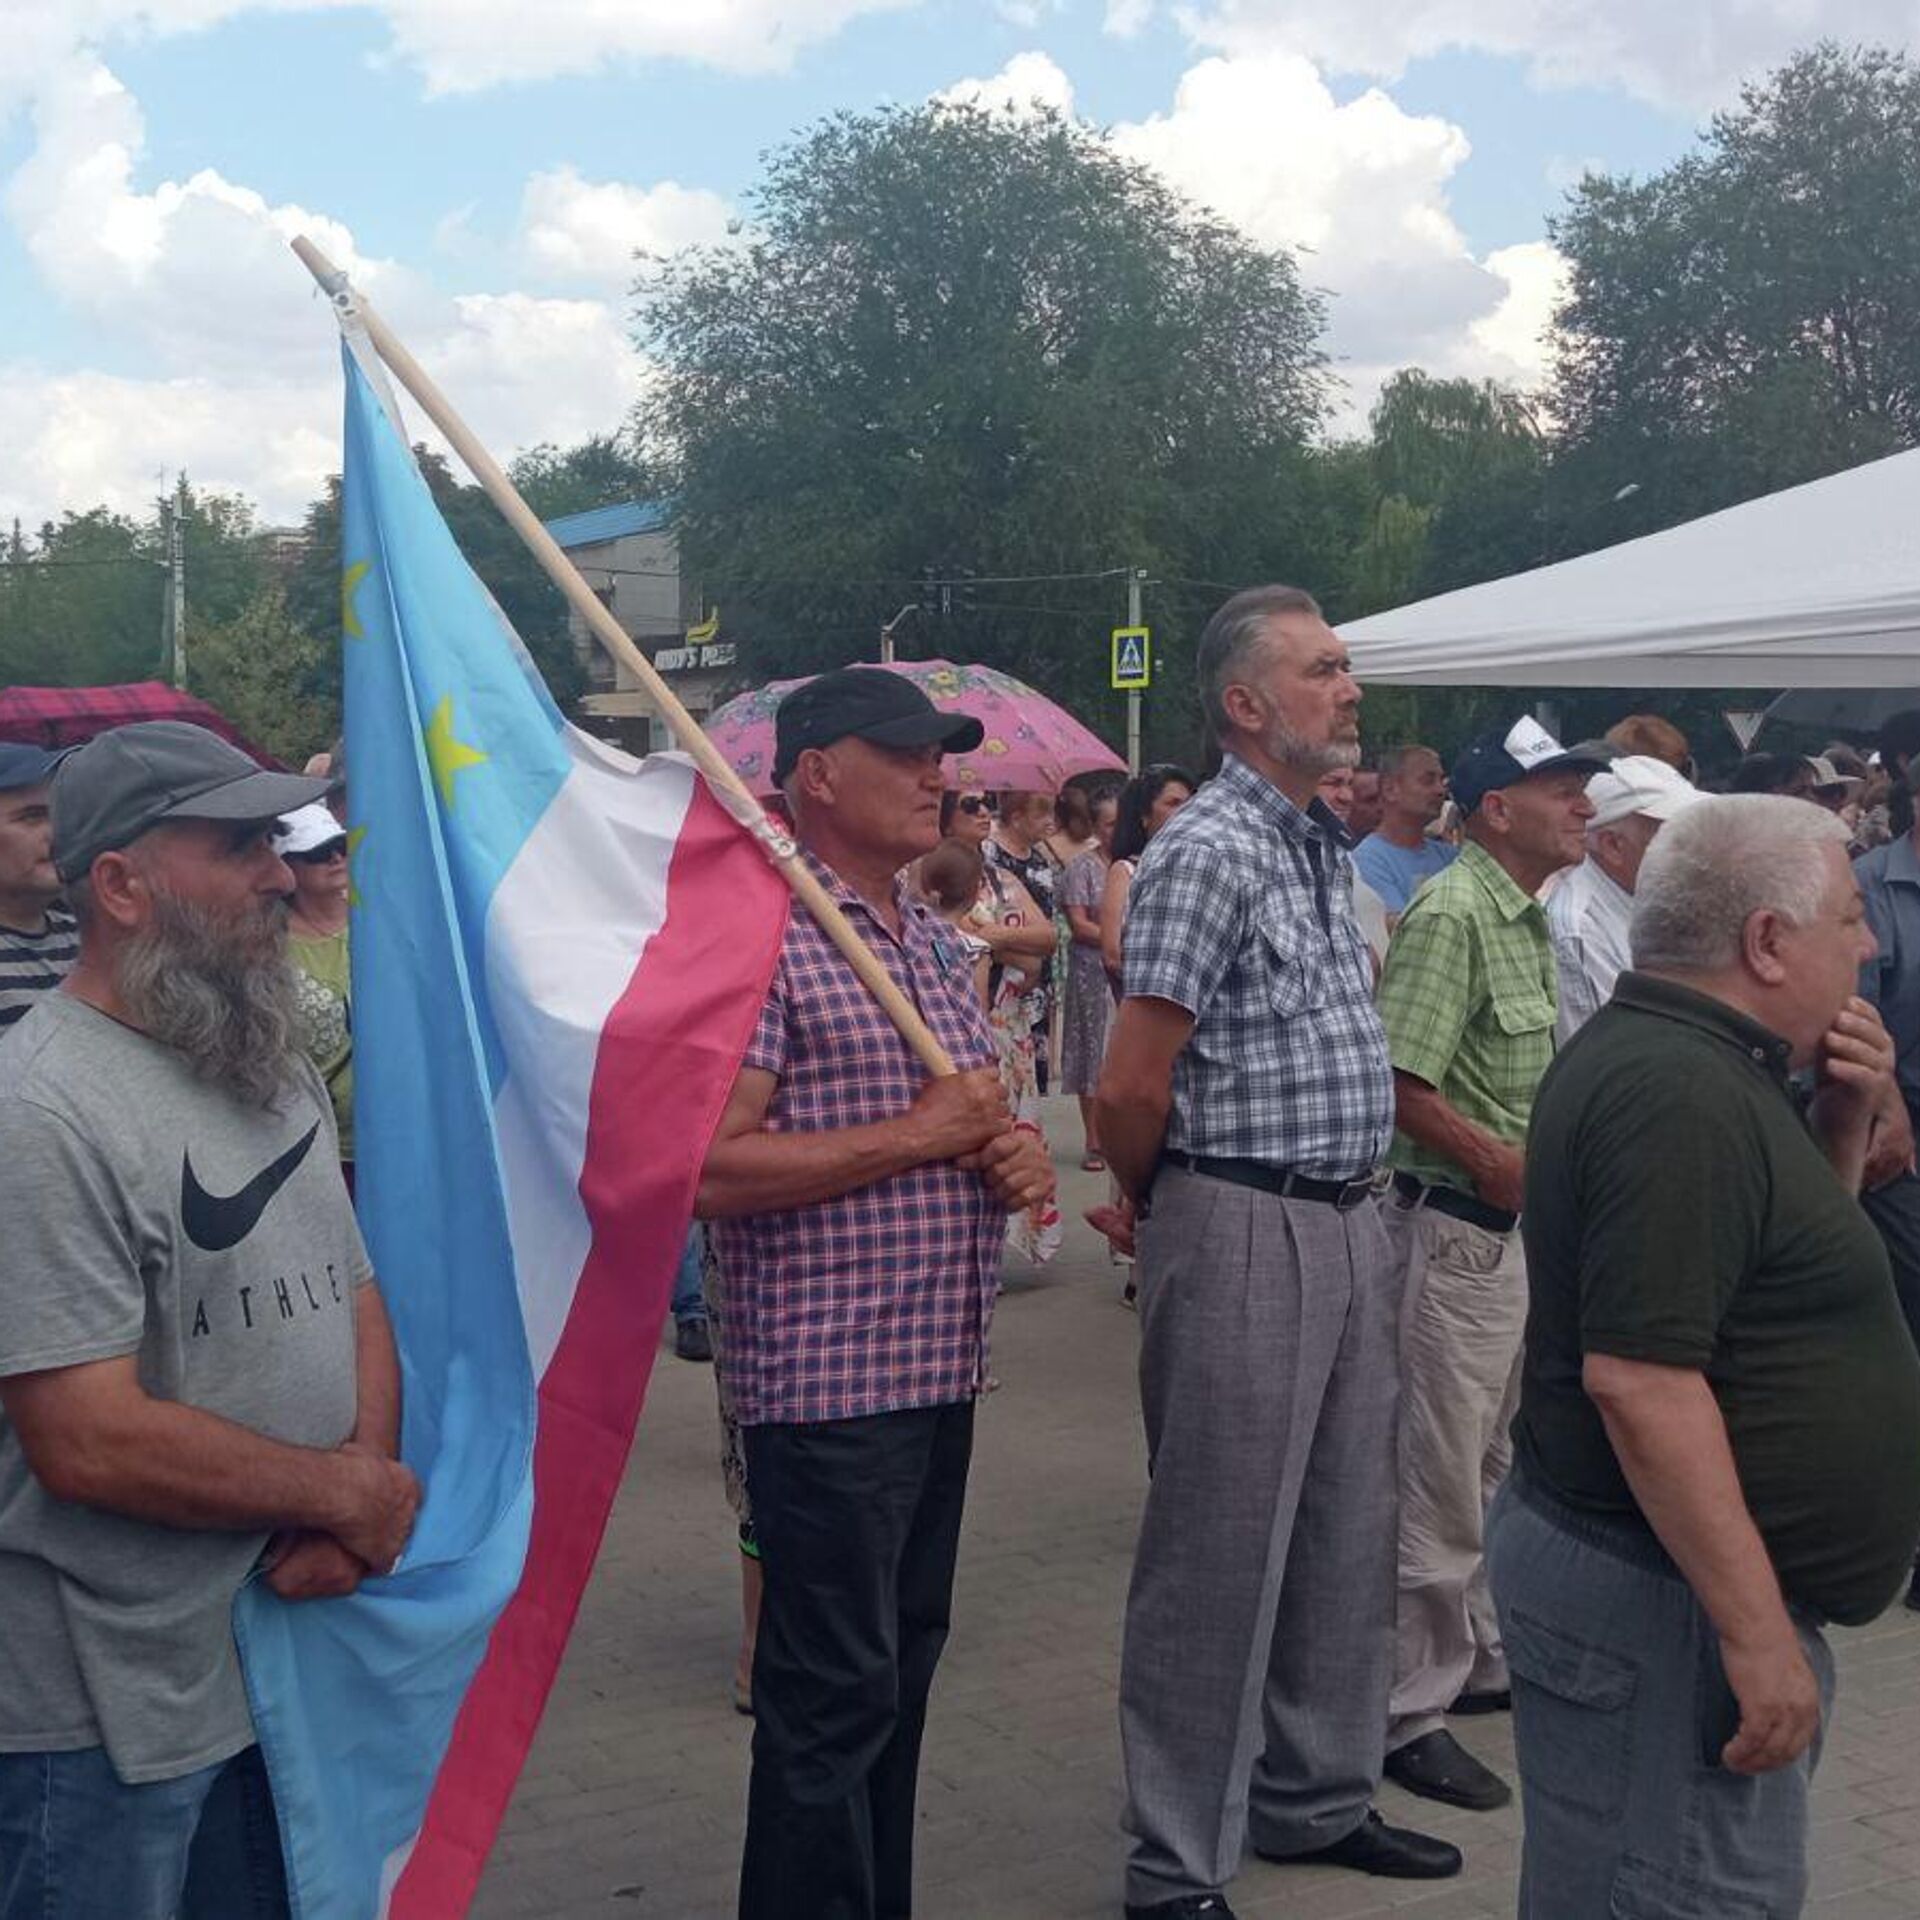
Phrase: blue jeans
(1620, 1709)
(689, 1296)
(77, 1843)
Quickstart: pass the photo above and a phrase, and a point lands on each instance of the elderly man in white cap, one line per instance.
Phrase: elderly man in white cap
(1589, 910)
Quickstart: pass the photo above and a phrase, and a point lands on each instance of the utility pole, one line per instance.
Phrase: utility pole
(176, 617)
(1135, 575)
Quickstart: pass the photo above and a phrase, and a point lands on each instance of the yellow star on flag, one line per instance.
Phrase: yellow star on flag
(354, 836)
(349, 586)
(447, 755)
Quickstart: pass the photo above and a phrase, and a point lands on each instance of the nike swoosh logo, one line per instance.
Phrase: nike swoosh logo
(215, 1222)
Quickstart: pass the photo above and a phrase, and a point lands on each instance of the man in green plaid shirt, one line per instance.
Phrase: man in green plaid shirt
(1467, 999)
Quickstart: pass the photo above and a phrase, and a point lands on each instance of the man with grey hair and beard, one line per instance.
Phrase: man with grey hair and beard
(1718, 1443)
(197, 1377)
(1245, 1102)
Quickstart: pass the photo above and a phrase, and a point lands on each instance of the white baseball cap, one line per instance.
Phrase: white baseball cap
(307, 828)
(1638, 783)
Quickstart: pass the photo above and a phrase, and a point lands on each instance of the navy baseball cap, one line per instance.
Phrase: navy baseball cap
(865, 703)
(26, 766)
(1504, 758)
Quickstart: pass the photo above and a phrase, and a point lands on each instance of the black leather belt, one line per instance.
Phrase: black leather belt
(1455, 1204)
(1343, 1194)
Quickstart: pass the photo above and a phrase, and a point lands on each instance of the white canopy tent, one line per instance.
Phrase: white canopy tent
(1818, 586)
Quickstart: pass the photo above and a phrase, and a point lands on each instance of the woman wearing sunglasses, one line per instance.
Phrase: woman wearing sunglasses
(314, 846)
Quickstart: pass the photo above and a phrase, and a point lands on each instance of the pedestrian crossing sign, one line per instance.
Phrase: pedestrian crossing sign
(1132, 658)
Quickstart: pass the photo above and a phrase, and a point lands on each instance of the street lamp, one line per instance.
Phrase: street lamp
(886, 632)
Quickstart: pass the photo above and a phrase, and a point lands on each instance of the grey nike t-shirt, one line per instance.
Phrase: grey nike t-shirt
(145, 1212)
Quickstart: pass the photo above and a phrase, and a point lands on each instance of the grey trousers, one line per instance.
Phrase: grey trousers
(1620, 1709)
(1259, 1638)
(1462, 1317)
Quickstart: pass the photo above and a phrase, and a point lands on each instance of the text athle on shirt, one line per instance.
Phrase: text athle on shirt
(881, 1299)
(1241, 913)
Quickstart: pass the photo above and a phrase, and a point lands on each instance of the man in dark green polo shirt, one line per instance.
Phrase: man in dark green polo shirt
(1718, 1444)
(1467, 999)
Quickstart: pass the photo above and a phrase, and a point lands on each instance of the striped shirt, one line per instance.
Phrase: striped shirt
(34, 963)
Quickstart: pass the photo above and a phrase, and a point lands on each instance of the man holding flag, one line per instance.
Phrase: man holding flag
(862, 1215)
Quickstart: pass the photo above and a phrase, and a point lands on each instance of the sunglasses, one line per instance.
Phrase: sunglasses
(320, 856)
(973, 803)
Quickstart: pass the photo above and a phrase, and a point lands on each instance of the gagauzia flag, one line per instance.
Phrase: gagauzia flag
(558, 953)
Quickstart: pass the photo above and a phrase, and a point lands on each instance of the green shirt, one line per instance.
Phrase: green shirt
(326, 1015)
(1679, 1212)
(1467, 998)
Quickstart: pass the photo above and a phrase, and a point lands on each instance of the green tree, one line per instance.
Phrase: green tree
(270, 674)
(494, 551)
(81, 603)
(602, 471)
(954, 339)
(1746, 319)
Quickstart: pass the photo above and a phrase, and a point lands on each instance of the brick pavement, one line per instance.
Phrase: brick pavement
(633, 1800)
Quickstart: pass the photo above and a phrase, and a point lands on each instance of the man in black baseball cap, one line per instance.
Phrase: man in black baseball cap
(839, 1172)
(865, 703)
(37, 940)
(130, 779)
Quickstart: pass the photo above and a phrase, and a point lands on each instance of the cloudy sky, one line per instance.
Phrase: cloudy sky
(486, 168)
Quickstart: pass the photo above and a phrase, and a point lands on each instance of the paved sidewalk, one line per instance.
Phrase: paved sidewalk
(633, 1800)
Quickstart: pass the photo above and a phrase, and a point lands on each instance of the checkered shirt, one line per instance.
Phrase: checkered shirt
(1467, 994)
(1242, 913)
(880, 1299)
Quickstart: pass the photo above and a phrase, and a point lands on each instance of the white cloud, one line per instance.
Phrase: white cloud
(1027, 81)
(194, 279)
(589, 231)
(1513, 337)
(461, 45)
(1686, 56)
(1126, 18)
(1361, 188)
(458, 45)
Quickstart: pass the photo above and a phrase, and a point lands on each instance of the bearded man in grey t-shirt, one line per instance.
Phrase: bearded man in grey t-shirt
(198, 1383)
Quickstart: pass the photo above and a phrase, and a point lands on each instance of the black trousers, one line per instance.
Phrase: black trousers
(859, 1528)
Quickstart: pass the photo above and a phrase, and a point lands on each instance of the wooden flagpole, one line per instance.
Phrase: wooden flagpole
(729, 788)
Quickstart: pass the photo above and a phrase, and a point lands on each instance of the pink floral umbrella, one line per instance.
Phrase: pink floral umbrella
(1032, 744)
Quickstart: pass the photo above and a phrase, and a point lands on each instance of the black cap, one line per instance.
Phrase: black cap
(122, 782)
(1506, 756)
(865, 703)
(27, 766)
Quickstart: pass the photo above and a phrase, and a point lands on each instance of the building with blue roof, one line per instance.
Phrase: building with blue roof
(629, 555)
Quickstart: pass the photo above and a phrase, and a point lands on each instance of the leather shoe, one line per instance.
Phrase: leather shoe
(1393, 1853)
(1190, 1906)
(1484, 1700)
(691, 1340)
(1438, 1767)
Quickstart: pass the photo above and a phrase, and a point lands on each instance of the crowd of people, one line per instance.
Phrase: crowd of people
(1514, 1166)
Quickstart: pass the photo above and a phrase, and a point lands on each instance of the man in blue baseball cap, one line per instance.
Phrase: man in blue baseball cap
(37, 938)
(1467, 997)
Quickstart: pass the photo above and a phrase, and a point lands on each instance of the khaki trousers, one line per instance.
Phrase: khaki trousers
(1462, 1318)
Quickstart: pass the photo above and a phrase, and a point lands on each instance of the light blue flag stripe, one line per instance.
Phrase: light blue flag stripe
(453, 754)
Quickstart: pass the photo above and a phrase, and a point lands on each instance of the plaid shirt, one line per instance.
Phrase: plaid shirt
(1467, 994)
(880, 1299)
(1242, 913)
